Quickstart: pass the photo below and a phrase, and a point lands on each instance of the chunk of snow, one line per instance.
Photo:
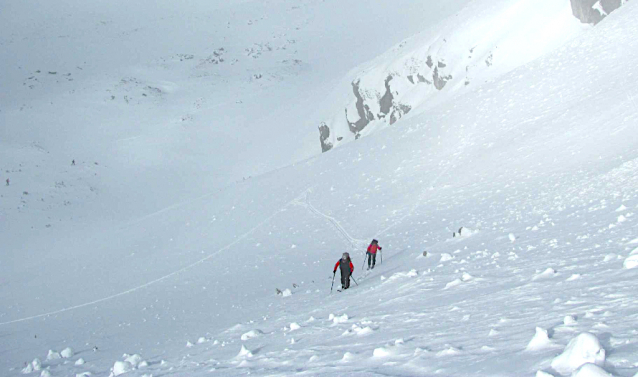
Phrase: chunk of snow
(621, 208)
(189, 344)
(53, 355)
(251, 334)
(569, 320)
(45, 373)
(80, 361)
(84, 374)
(287, 293)
(244, 353)
(67, 353)
(493, 332)
(142, 364)
(27, 369)
(539, 341)
(446, 257)
(631, 262)
(453, 283)
(347, 357)
(512, 237)
(450, 351)
(339, 319)
(622, 219)
(381, 352)
(574, 277)
(591, 370)
(609, 257)
(121, 367)
(585, 348)
(202, 340)
(294, 326)
(134, 360)
(547, 274)
(37, 364)
(540, 373)
(466, 277)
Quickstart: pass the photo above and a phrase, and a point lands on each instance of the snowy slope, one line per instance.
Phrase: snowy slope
(483, 41)
(541, 164)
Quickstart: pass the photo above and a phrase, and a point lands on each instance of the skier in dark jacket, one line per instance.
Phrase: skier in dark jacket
(345, 264)
(372, 253)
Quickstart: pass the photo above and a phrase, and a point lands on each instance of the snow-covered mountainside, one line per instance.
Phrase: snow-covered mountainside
(138, 263)
(483, 41)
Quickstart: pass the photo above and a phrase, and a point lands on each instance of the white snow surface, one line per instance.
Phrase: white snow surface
(154, 238)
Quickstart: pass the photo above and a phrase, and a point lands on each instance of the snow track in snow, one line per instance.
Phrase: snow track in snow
(160, 279)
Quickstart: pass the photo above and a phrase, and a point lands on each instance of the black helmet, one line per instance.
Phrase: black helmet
(374, 241)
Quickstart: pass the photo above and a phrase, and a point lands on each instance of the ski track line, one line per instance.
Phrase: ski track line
(353, 241)
(174, 273)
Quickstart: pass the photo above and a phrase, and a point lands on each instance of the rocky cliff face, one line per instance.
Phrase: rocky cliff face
(593, 11)
(485, 40)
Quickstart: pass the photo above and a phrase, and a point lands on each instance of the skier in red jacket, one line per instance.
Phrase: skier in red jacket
(372, 253)
(345, 263)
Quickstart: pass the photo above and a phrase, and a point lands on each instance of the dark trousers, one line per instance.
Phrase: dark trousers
(345, 281)
(372, 259)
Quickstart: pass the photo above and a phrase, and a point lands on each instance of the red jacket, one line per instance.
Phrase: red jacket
(372, 249)
(337, 266)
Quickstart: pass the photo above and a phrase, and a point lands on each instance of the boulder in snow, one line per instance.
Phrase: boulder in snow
(583, 349)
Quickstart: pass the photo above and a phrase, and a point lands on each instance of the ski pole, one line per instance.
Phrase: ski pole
(364, 261)
(354, 281)
(333, 281)
(381, 254)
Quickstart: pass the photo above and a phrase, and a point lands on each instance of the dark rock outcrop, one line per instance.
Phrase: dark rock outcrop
(324, 134)
(584, 9)
(363, 110)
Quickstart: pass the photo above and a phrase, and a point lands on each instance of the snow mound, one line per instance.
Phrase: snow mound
(539, 341)
(632, 260)
(512, 237)
(547, 274)
(244, 353)
(446, 257)
(450, 351)
(294, 326)
(67, 353)
(202, 340)
(121, 367)
(45, 373)
(591, 370)
(84, 374)
(453, 283)
(410, 274)
(252, 334)
(53, 355)
(381, 352)
(135, 360)
(569, 320)
(80, 361)
(338, 319)
(540, 373)
(348, 357)
(287, 293)
(585, 348)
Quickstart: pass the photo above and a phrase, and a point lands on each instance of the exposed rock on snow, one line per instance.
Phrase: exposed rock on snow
(585, 348)
(539, 341)
(593, 11)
